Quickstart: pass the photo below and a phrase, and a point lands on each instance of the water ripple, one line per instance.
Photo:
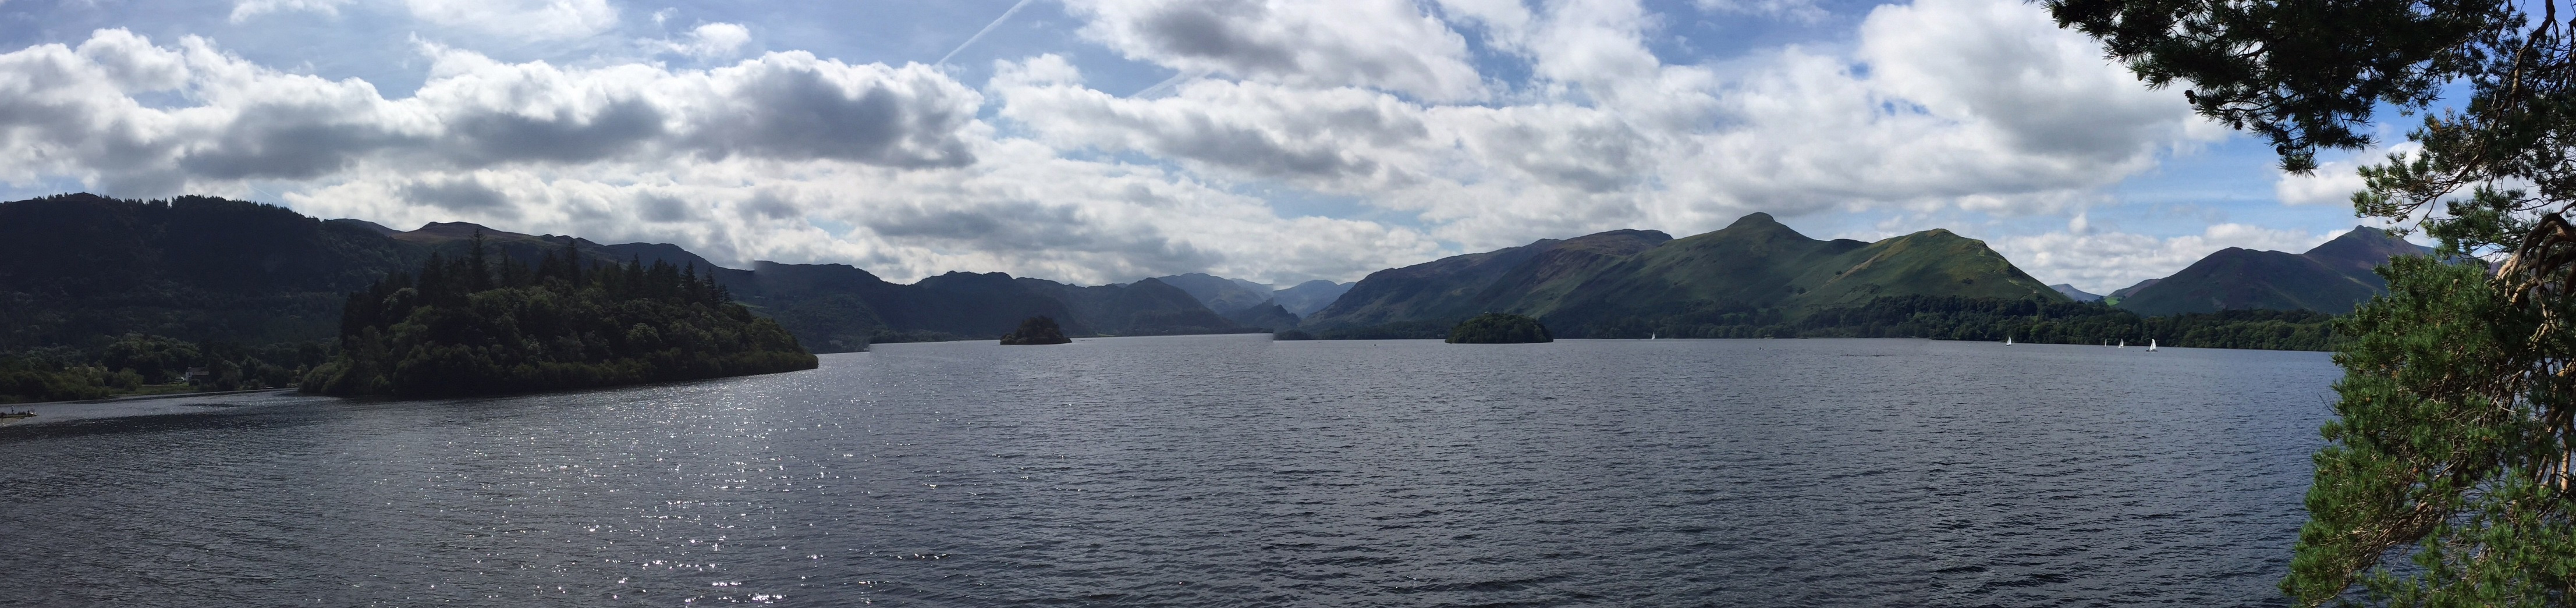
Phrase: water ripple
(1219, 471)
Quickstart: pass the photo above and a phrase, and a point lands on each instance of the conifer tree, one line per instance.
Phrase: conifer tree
(2453, 435)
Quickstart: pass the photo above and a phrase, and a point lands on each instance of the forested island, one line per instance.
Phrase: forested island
(465, 326)
(1499, 328)
(1038, 330)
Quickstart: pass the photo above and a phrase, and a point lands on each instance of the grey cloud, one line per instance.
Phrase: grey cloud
(484, 139)
(1043, 230)
(1204, 30)
(1595, 158)
(976, 225)
(1264, 156)
(1322, 154)
(770, 205)
(661, 208)
(1386, 44)
(67, 113)
(1338, 136)
(466, 195)
(285, 142)
(797, 112)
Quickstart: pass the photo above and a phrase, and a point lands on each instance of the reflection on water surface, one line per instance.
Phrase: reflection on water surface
(1218, 471)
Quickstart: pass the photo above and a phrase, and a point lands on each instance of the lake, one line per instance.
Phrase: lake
(1213, 471)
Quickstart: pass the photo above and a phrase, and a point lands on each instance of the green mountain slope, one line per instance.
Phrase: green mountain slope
(1929, 263)
(1450, 289)
(2331, 278)
(1614, 284)
(1548, 278)
(1760, 272)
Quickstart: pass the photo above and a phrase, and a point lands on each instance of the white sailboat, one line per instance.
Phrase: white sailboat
(2124, 344)
(2151, 345)
(2007, 340)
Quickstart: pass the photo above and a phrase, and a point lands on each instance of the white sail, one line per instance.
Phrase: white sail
(2007, 340)
(2151, 345)
(2124, 344)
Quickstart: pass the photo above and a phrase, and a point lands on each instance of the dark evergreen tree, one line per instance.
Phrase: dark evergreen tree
(467, 327)
(2455, 433)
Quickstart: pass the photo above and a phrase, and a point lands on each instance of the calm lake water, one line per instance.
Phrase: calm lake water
(1215, 471)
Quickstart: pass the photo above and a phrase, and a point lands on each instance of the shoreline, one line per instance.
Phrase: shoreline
(129, 406)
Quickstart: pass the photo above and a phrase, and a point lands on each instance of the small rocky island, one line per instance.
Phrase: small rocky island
(1039, 329)
(1499, 328)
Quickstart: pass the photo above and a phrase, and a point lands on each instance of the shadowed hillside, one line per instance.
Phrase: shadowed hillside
(2331, 278)
(1450, 289)
(78, 270)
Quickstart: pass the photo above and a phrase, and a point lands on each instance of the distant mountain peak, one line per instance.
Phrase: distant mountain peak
(2362, 249)
(1756, 218)
(460, 228)
(2365, 235)
(2126, 291)
(447, 231)
(2071, 292)
(1220, 294)
(1654, 235)
(379, 229)
(2330, 278)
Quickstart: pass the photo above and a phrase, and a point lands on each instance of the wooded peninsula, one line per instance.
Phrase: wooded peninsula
(468, 326)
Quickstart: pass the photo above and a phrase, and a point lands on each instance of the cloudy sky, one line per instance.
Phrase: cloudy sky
(1105, 140)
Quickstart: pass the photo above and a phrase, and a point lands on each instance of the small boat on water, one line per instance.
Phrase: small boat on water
(2151, 345)
(2124, 344)
(2007, 340)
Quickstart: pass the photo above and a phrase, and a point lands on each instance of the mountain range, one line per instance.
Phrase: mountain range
(77, 267)
(2331, 278)
(1637, 283)
(74, 268)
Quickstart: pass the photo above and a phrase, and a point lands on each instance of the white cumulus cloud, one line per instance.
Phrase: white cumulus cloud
(1960, 107)
(785, 156)
(246, 9)
(535, 19)
(711, 40)
(1980, 105)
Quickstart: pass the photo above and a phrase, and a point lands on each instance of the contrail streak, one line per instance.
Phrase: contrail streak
(1168, 83)
(979, 34)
